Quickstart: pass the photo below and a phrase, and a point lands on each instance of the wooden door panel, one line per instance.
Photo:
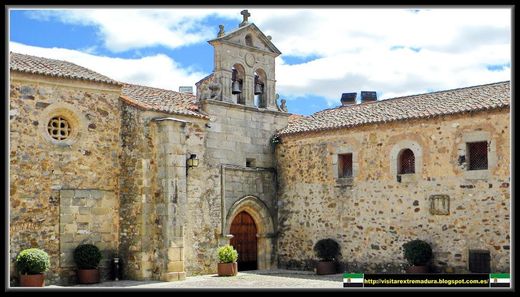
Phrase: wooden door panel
(244, 239)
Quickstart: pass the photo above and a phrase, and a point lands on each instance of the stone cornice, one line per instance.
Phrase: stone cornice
(244, 107)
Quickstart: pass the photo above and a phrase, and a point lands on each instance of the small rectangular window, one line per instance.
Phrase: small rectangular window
(344, 165)
(477, 155)
(250, 162)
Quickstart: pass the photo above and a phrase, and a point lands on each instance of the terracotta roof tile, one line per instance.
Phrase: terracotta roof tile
(427, 105)
(294, 118)
(143, 97)
(161, 100)
(56, 68)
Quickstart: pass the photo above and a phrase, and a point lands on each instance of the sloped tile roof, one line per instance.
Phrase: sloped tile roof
(161, 100)
(56, 68)
(294, 118)
(469, 99)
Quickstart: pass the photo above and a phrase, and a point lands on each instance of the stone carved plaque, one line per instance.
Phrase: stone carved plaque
(250, 60)
(440, 204)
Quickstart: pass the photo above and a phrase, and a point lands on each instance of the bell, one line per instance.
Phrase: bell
(258, 89)
(236, 88)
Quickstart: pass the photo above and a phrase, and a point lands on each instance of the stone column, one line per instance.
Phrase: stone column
(270, 95)
(265, 250)
(171, 209)
(248, 90)
(226, 87)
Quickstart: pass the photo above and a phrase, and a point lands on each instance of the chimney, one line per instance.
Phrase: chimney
(348, 99)
(368, 96)
(186, 89)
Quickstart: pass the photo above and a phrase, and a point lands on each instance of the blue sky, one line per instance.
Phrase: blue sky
(325, 52)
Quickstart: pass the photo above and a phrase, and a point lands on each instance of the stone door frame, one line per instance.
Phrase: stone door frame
(264, 224)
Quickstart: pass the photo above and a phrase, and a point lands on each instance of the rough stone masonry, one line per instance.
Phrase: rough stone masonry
(93, 160)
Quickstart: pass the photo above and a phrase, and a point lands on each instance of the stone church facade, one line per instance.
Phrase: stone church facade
(161, 179)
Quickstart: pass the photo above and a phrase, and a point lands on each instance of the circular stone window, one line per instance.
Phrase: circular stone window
(62, 124)
(59, 128)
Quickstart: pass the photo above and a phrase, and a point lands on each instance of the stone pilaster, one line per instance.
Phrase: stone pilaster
(248, 90)
(226, 87)
(172, 207)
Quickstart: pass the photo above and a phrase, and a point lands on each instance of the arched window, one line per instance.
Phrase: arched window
(237, 81)
(259, 89)
(249, 40)
(406, 162)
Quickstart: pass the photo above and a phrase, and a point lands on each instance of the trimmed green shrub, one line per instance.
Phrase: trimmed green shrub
(327, 249)
(87, 256)
(32, 261)
(227, 254)
(417, 252)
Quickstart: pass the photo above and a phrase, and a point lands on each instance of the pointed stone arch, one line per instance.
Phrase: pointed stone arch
(264, 223)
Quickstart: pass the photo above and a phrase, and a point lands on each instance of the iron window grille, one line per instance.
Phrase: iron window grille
(478, 155)
(406, 162)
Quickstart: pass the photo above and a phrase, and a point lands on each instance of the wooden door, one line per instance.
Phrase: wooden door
(244, 241)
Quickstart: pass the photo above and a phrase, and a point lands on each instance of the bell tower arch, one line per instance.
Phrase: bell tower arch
(253, 83)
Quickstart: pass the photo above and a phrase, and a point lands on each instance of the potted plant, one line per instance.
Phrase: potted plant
(327, 250)
(32, 264)
(418, 253)
(87, 258)
(228, 257)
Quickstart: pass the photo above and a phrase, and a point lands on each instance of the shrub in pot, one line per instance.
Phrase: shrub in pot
(32, 264)
(227, 257)
(327, 250)
(418, 253)
(87, 258)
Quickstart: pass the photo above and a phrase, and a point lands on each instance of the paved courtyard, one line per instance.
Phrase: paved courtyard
(246, 279)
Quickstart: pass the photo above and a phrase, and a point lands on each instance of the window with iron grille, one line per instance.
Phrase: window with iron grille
(406, 162)
(344, 165)
(59, 128)
(477, 155)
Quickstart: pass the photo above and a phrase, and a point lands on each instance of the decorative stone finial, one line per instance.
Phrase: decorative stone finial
(221, 31)
(282, 107)
(245, 14)
(269, 37)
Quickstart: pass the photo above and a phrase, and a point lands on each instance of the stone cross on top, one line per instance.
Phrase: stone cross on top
(245, 14)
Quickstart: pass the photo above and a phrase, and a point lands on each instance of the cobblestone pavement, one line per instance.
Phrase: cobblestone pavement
(246, 279)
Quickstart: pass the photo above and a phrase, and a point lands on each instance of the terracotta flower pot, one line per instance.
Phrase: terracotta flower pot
(88, 276)
(32, 280)
(326, 267)
(227, 269)
(418, 269)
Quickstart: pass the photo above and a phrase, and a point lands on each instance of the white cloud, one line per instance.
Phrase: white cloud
(393, 73)
(332, 31)
(155, 71)
(353, 46)
(127, 29)
(354, 49)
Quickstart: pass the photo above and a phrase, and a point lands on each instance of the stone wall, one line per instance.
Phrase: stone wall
(88, 216)
(372, 215)
(233, 134)
(258, 182)
(239, 132)
(154, 189)
(40, 167)
(136, 210)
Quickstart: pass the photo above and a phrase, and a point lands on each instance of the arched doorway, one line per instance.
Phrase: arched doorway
(244, 231)
(259, 212)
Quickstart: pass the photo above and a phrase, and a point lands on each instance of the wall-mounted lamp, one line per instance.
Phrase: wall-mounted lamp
(193, 161)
